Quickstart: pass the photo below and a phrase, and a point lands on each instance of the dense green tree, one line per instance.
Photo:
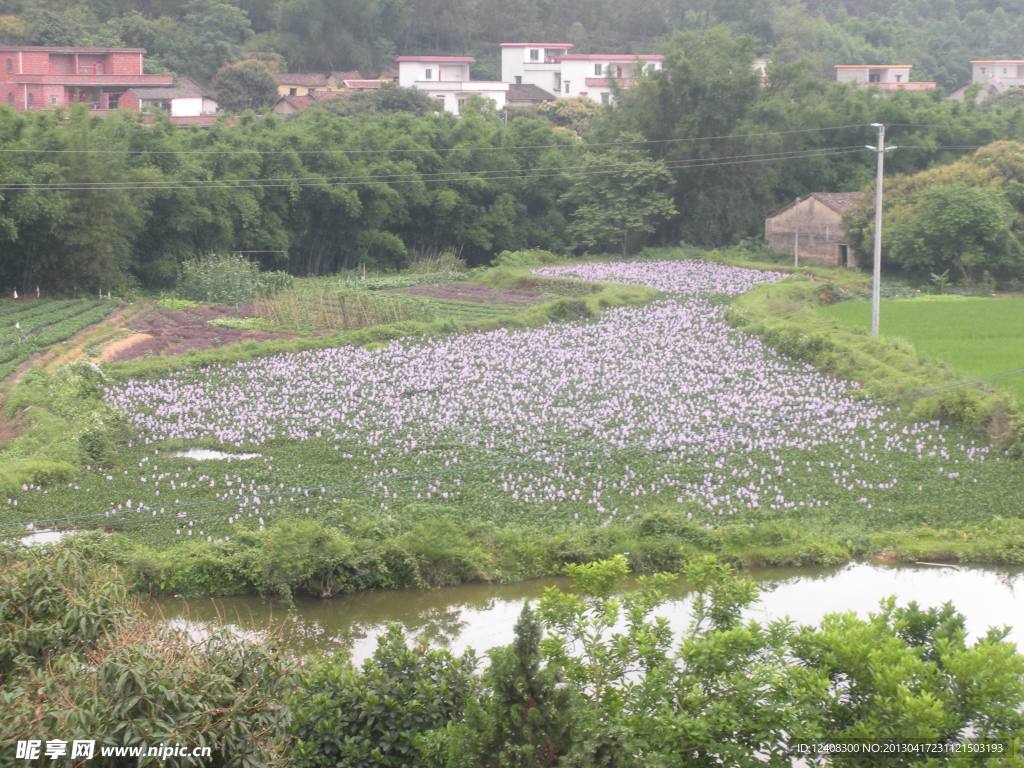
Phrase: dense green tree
(964, 229)
(246, 85)
(390, 98)
(617, 193)
(965, 217)
(527, 723)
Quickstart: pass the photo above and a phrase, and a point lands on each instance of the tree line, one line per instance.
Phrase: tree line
(698, 153)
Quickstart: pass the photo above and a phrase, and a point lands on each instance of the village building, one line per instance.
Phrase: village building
(888, 77)
(537, 64)
(447, 79)
(591, 74)
(289, 105)
(526, 95)
(993, 76)
(302, 83)
(812, 228)
(554, 68)
(185, 103)
(50, 77)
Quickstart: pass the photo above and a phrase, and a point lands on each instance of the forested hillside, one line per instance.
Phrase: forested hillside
(195, 37)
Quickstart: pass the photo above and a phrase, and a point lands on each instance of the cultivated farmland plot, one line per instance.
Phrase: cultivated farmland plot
(29, 326)
(657, 406)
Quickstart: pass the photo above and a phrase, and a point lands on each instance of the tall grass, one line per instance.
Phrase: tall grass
(433, 261)
(327, 308)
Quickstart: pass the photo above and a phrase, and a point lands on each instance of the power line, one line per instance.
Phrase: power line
(419, 178)
(429, 150)
(431, 176)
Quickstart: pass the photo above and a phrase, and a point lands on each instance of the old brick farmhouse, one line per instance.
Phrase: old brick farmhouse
(812, 227)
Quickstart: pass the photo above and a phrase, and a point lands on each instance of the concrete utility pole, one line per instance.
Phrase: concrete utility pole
(876, 278)
(796, 240)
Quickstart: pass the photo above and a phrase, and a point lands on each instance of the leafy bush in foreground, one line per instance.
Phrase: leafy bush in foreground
(594, 679)
(372, 717)
(78, 660)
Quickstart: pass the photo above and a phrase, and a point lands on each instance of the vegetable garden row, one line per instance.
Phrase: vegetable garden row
(29, 326)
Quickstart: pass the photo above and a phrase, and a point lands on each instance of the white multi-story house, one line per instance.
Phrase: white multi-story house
(446, 78)
(590, 74)
(888, 77)
(534, 64)
(552, 67)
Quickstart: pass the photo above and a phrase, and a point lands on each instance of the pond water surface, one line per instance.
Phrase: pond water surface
(482, 616)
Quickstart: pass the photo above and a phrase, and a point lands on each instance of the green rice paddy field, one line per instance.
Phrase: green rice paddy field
(981, 337)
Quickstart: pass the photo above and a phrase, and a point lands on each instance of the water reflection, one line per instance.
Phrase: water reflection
(481, 616)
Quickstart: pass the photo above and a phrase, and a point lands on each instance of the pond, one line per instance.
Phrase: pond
(481, 616)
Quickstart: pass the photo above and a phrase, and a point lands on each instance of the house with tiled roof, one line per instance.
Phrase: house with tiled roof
(526, 95)
(185, 102)
(289, 105)
(812, 230)
(301, 83)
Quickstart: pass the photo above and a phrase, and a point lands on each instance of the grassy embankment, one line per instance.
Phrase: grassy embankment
(924, 365)
(979, 337)
(339, 543)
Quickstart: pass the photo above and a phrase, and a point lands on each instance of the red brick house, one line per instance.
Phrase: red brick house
(47, 77)
(813, 228)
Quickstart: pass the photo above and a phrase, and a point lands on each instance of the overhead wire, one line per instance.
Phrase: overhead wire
(422, 178)
(432, 150)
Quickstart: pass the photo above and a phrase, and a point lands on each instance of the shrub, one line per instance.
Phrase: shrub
(444, 554)
(374, 716)
(53, 600)
(431, 262)
(76, 657)
(529, 258)
(227, 279)
(302, 555)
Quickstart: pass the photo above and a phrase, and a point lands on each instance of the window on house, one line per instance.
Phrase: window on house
(53, 99)
(567, 86)
(606, 98)
(598, 70)
(10, 65)
(558, 81)
(534, 54)
(519, 79)
(428, 73)
(462, 105)
(10, 99)
(293, 91)
(29, 100)
(874, 77)
(310, 91)
(899, 78)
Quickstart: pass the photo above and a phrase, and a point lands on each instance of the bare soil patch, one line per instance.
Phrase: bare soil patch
(478, 294)
(158, 331)
(115, 348)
